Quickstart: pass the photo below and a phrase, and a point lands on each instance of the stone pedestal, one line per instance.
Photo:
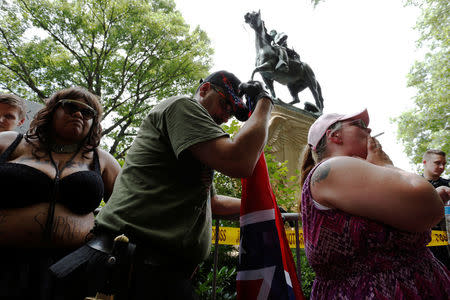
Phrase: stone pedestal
(288, 134)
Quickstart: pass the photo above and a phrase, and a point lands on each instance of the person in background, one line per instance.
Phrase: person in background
(433, 166)
(163, 199)
(12, 112)
(366, 223)
(51, 180)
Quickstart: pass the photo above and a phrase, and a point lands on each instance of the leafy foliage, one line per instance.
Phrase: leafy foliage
(427, 125)
(307, 273)
(285, 188)
(132, 53)
(225, 277)
(316, 2)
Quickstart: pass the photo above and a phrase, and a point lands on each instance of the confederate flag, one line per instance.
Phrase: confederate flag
(266, 267)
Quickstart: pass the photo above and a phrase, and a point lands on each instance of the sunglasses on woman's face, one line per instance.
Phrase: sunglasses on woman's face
(358, 123)
(72, 106)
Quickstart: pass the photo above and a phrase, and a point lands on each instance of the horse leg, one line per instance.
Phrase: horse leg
(269, 85)
(293, 90)
(267, 66)
(295, 98)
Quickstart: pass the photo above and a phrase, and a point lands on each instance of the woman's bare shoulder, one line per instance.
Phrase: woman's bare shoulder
(6, 139)
(107, 159)
(104, 155)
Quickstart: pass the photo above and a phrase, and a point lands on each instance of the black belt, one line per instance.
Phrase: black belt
(104, 242)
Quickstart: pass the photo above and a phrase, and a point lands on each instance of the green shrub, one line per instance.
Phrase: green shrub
(225, 278)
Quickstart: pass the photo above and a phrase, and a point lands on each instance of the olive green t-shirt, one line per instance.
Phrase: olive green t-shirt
(162, 195)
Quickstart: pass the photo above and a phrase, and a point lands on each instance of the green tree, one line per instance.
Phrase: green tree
(285, 188)
(132, 53)
(427, 125)
(315, 2)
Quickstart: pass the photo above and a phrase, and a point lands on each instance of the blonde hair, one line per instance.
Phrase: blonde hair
(14, 101)
(429, 152)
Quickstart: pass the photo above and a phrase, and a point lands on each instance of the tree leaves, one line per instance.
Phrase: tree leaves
(427, 126)
(132, 53)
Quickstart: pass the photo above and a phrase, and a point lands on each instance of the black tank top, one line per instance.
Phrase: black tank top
(21, 185)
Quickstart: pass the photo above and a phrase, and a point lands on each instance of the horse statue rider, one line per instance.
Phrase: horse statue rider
(279, 42)
(276, 62)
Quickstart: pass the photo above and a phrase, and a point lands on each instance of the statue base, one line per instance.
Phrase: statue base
(288, 133)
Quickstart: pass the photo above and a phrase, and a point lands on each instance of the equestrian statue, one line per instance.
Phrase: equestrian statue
(275, 61)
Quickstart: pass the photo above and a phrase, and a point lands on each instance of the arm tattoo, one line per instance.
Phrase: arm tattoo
(320, 174)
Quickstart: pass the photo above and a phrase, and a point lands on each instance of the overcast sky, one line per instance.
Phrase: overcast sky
(359, 50)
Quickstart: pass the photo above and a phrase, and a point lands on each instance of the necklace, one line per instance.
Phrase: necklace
(48, 229)
(57, 148)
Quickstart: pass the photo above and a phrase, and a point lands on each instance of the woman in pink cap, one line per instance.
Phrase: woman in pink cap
(366, 223)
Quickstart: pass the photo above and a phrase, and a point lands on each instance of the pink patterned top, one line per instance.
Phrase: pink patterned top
(358, 258)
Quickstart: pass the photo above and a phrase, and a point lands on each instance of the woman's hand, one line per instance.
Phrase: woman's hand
(375, 153)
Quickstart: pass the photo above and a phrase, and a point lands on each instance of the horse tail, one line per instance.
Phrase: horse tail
(309, 72)
(314, 84)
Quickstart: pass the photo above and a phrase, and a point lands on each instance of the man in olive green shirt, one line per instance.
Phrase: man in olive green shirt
(163, 199)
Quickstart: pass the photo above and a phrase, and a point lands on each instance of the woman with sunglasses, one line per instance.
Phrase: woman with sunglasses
(366, 223)
(51, 180)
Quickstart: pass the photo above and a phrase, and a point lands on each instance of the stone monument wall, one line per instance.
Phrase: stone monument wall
(288, 134)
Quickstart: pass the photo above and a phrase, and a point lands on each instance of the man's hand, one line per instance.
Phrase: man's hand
(444, 193)
(253, 90)
(375, 153)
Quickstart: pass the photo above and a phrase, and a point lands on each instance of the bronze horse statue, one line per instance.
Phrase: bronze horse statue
(299, 74)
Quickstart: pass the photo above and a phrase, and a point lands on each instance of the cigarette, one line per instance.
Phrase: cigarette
(377, 135)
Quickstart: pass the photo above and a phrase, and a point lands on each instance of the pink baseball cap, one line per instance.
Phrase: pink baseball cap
(320, 126)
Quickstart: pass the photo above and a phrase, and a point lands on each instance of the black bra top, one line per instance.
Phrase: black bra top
(21, 185)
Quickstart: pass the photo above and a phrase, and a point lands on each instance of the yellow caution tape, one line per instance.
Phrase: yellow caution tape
(438, 238)
(227, 235)
(231, 236)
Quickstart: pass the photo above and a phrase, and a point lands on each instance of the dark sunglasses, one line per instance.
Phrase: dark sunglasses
(223, 100)
(72, 106)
